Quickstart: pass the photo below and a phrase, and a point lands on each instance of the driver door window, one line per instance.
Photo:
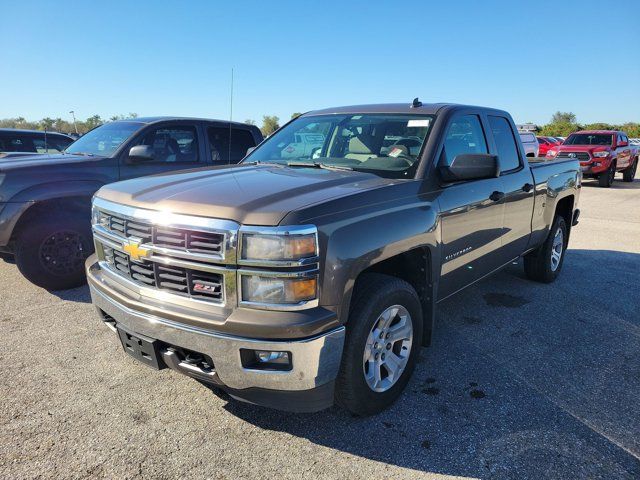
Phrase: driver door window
(174, 147)
(465, 135)
(172, 144)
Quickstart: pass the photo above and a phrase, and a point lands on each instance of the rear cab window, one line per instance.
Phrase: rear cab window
(505, 143)
(16, 143)
(229, 145)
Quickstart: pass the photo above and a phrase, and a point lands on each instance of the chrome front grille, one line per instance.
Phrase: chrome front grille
(178, 280)
(162, 236)
(582, 156)
(158, 253)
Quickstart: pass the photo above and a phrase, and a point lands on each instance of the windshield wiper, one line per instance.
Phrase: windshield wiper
(324, 166)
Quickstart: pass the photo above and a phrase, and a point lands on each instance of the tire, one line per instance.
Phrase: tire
(605, 179)
(50, 252)
(373, 295)
(629, 174)
(539, 264)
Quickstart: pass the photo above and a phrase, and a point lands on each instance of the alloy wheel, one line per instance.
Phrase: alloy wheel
(556, 249)
(388, 347)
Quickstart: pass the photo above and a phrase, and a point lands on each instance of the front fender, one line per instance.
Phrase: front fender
(60, 189)
(370, 237)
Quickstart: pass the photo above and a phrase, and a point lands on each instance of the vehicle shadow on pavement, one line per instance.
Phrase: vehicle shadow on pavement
(79, 294)
(523, 380)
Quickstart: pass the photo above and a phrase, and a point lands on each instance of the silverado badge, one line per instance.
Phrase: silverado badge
(135, 251)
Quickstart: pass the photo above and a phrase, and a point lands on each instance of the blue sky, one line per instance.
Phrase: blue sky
(175, 58)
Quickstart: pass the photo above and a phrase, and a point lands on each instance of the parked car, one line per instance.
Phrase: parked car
(545, 143)
(15, 142)
(45, 202)
(602, 153)
(294, 282)
(530, 144)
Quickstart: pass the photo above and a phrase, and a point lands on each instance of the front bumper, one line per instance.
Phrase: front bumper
(308, 386)
(595, 167)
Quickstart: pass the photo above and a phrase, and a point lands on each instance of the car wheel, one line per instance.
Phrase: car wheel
(384, 333)
(544, 264)
(605, 179)
(51, 251)
(629, 174)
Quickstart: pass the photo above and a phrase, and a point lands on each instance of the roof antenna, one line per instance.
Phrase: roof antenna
(416, 103)
(230, 116)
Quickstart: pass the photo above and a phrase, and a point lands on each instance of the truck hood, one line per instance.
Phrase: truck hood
(42, 159)
(248, 194)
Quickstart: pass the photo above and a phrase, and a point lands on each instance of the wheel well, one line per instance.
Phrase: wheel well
(414, 267)
(69, 205)
(565, 210)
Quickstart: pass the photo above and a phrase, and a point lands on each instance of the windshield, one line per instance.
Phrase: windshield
(105, 139)
(388, 145)
(589, 139)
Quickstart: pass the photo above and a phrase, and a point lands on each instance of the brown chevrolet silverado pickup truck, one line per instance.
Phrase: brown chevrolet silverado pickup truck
(310, 273)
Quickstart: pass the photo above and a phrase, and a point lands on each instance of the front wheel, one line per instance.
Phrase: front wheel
(50, 251)
(544, 264)
(384, 333)
(629, 174)
(605, 179)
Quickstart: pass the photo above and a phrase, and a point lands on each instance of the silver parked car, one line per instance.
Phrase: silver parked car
(530, 143)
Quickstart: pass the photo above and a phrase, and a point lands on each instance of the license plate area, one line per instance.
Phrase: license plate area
(144, 349)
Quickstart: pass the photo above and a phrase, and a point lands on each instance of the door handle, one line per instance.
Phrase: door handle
(527, 187)
(496, 196)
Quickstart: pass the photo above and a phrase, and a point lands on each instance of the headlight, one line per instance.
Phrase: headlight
(552, 153)
(278, 290)
(279, 244)
(601, 154)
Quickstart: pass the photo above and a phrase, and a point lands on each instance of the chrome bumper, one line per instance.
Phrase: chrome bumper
(315, 360)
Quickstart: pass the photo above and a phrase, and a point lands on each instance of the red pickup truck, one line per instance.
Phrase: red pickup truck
(602, 153)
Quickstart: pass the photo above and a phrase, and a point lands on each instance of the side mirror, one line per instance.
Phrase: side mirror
(140, 153)
(249, 150)
(470, 166)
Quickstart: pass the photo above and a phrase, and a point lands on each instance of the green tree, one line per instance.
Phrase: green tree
(270, 123)
(92, 122)
(47, 123)
(632, 129)
(559, 129)
(599, 126)
(295, 115)
(248, 121)
(563, 117)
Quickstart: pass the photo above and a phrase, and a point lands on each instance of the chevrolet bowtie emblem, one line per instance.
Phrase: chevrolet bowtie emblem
(135, 251)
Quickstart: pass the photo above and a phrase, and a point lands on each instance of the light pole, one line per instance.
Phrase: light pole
(73, 114)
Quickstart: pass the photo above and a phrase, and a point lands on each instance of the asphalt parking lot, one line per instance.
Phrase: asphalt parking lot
(523, 381)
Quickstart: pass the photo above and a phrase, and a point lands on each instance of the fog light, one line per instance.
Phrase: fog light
(265, 359)
(272, 357)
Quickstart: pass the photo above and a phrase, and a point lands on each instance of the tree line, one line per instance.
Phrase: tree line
(562, 124)
(270, 123)
(61, 125)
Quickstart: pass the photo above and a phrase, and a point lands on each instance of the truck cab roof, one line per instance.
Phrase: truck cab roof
(400, 108)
